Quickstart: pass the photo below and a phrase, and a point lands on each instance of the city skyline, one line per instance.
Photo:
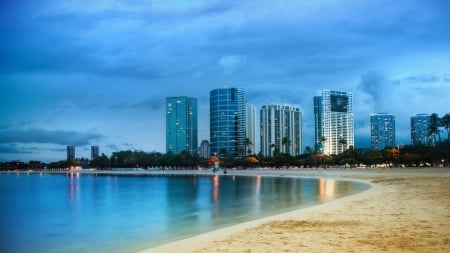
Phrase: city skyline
(80, 74)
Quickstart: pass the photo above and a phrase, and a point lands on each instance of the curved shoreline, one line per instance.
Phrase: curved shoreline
(351, 223)
(405, 210)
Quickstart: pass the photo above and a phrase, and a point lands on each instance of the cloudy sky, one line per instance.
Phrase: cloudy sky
(97, 72)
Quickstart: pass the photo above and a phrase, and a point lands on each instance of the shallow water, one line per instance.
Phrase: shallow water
(109, 213)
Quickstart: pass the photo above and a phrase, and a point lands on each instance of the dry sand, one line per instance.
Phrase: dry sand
(406, 210)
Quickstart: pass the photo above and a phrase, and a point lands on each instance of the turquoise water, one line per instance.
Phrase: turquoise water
(87, 213)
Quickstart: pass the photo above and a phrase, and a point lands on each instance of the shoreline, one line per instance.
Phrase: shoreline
(404, 210)
(375, 220)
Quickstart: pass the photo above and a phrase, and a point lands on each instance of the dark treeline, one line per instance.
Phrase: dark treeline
(434, 154)
(409, 155)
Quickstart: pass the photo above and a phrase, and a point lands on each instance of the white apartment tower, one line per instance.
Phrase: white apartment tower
(280, 129)
(250, 129)
(334, 124)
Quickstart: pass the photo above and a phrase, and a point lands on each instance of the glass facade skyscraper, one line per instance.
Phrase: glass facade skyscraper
(334, 124)
(281, 129)
(382, 130)
(227, 122)
(94, 152)
(181, 125)
(419, 130)
(70, 153)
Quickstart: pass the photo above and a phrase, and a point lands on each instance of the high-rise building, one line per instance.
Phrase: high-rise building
(70, 153)
(280, 129)
(181, 125)
(419, 130)
(204, 150)
(94, 152)
(334, 126)
(227, 122)
(382, 130)
(250, 136)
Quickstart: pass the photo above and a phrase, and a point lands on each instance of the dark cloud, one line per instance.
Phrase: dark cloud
(154, 103)
(35, 135)
(424, 78)
(112, 147)
(13, 149)
(375, 85)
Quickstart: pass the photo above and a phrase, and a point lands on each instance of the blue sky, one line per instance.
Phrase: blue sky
(97, 72)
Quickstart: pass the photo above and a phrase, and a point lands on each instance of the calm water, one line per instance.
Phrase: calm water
(88, 213)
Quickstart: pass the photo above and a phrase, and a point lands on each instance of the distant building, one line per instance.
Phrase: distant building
(281, 129)
(70, 153)
(250, 135)
(204, 150)
(181, 125)
(94, 152)
(419, 130)
(227, 122)
(382, 130)
(334, 126)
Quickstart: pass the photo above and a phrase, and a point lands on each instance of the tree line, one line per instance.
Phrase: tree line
(421, 154)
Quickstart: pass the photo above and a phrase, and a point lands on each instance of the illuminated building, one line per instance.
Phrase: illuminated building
(280, 129)
(181, 125)
(419, 130)
(250, 129)
(227, 122)
(334, 126)
(382, 130)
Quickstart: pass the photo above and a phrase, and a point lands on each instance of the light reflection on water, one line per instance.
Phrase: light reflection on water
(86, 213)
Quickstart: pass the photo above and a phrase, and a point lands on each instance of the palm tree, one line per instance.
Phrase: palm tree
(308, 150)
(286, 142)
(322, 141)
(272, 146)
(445, 123)
(433, 128)
(248, 143)
(343, 143)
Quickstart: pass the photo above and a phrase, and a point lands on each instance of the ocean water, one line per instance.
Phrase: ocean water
(108, 213)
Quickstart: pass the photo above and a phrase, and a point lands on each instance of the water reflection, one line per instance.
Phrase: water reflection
(113, 212)
(215, 195)
(74, 187)
(327, 188)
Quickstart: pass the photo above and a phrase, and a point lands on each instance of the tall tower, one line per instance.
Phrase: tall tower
(250, 136)
(181, 125)
(281, 129)
(70, 153)
(382, 130)
(227, 122)
(204, 151)
(419, 130)
(334, 126)
(94, 152)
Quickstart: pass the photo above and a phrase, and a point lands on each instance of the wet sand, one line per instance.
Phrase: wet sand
(406, 210)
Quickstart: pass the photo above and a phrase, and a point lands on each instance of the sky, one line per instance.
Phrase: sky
(97, 72)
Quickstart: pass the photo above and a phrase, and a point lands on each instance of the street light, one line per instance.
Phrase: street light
(116, 161)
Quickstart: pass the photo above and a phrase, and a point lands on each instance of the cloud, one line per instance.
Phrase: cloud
(154, 103)
(12, 148)
(230, 63)
(427, 78)
(374, 84)
(35, 135)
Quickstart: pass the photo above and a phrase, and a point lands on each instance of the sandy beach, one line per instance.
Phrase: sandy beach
(405, 210)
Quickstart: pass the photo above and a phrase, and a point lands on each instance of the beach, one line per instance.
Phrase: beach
(405, 210)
